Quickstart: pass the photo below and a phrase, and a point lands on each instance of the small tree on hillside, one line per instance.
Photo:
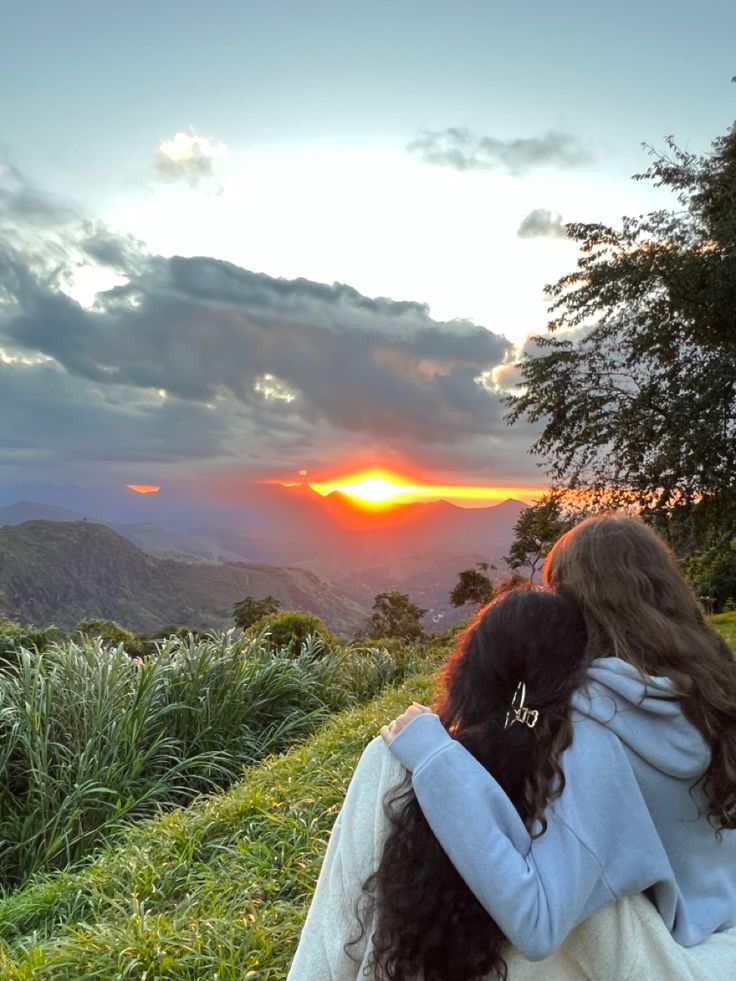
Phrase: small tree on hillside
(394, 615)
(535, 532)
(247, 611)
(473, 586)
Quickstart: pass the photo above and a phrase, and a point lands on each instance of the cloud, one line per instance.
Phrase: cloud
(188, 157)
(460, 148)
(199, 360)
(542, 223)
(23, 203)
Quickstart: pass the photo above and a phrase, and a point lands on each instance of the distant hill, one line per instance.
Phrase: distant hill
(16, 514)
(152, 538)
(63, 571)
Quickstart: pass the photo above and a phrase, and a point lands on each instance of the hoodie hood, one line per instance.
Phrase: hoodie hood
(645, 714)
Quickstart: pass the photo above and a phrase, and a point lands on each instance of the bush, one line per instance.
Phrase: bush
(15, 637)
(111, 634)
(288, 631)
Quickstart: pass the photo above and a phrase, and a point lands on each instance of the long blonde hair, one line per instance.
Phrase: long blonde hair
(638, 606)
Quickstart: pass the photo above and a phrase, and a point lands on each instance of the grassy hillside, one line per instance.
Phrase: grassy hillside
(726, 623)
(219, 890)
(54, 572)
(215, 891)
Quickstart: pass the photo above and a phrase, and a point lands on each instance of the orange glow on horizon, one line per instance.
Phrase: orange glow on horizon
(379, 489)
(144, 488)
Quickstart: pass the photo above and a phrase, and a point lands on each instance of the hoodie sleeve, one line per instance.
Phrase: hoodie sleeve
(536, 891)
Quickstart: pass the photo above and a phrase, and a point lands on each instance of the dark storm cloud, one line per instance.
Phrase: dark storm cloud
(464, 150)
(199, 359)
(283, 348)
(542, 223)
(45, 410)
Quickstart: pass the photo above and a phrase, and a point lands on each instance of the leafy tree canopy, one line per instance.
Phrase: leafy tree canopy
(394, 615)
(537, 529)
(473, 586)
(712, 573)
(635, 382)
(247, 611)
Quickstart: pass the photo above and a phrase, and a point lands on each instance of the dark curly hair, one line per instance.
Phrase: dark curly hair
(428, 923)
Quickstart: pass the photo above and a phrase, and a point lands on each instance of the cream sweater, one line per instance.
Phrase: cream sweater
(626, 941)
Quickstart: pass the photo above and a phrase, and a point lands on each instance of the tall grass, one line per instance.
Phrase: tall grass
(218, 890)
(90, 739)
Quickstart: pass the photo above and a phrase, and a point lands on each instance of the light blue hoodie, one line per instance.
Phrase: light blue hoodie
(626, 822)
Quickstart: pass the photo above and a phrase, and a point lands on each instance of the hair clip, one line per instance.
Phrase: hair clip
(518, 711)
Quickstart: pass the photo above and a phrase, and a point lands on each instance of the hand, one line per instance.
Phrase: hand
(391, 731)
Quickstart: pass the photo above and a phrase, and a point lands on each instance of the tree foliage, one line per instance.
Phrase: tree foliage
(537, 529)
(473, 586)
(247, 611)
(289, 629)
(394, 615)
(112, 634)
(635, 381)
(712, 573)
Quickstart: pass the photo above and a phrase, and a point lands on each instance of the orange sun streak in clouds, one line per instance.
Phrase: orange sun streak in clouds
(143, 488)
(378, 490)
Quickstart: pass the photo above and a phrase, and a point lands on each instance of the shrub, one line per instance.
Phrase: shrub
(15, 637)
(289, 630)
(110, 633)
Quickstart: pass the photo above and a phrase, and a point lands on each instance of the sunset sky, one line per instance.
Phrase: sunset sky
(296, 241)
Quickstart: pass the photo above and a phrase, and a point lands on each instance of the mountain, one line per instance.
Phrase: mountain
(16, 514)
(412, 548)
(62, 572)
(304, 526)
(152, 538)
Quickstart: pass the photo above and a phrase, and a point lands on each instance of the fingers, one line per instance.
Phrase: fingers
(390, 731)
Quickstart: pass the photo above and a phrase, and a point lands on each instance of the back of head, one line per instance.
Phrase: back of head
(528, 635)
(638, 606)
(429, 924)
(628, 585)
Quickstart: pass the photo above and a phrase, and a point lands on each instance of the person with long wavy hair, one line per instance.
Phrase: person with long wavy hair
(642, 797)
(511, 704)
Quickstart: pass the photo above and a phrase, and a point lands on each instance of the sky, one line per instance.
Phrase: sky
(296, 241)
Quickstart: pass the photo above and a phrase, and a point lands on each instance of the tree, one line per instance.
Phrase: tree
(247, 611)
(537, 529)
(289, 629)
(394, 615)
(713, 573)
(473, 586)
(641, 397)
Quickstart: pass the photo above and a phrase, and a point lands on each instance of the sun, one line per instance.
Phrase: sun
(380, 490)
(373, 490)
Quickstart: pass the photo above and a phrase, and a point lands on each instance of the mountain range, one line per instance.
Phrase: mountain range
(414, 548)
(63, 572)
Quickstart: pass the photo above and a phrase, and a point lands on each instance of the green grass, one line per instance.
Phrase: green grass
(218, 890)
(90, 740)
(726, 624)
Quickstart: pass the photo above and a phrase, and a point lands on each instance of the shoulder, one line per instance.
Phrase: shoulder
(598, 777)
